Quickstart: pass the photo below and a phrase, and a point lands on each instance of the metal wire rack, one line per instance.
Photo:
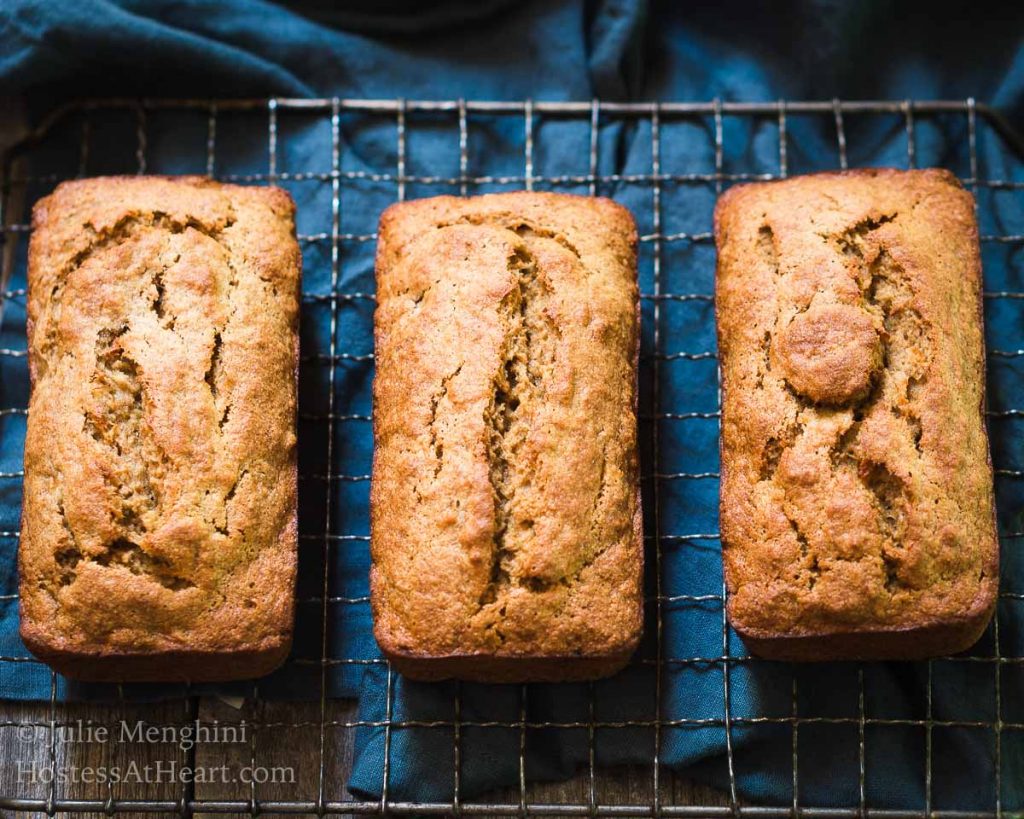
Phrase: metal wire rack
(258, 131)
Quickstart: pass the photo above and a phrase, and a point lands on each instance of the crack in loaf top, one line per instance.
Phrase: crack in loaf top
(160, 451)
(857, 489)
(505, 513)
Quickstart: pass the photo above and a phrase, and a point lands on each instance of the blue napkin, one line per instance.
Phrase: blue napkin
(572, 50)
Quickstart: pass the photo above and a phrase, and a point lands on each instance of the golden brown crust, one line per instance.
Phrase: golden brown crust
(505, 510)
(855, 522)
(159, 531)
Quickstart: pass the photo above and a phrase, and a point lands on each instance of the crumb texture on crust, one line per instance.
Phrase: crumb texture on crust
(857, 488)
(160, 486)
(504, 503)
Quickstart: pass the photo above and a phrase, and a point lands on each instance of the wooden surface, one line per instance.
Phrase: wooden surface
(289, 739)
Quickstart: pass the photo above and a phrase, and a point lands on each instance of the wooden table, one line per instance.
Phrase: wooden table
(24, 749)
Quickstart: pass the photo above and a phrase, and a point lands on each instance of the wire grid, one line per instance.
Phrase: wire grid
(654, 415)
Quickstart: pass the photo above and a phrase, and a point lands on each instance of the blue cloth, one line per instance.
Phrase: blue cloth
(615, 50)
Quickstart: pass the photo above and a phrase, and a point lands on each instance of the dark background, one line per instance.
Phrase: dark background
(504, 49)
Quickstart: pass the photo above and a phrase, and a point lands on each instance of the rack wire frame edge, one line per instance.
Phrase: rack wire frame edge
(653, 112)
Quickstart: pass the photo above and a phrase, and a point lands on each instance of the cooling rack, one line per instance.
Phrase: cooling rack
(669, 156)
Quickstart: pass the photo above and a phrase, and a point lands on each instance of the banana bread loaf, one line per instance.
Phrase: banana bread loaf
(505, 509)
(158, 533)
(856, 503)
